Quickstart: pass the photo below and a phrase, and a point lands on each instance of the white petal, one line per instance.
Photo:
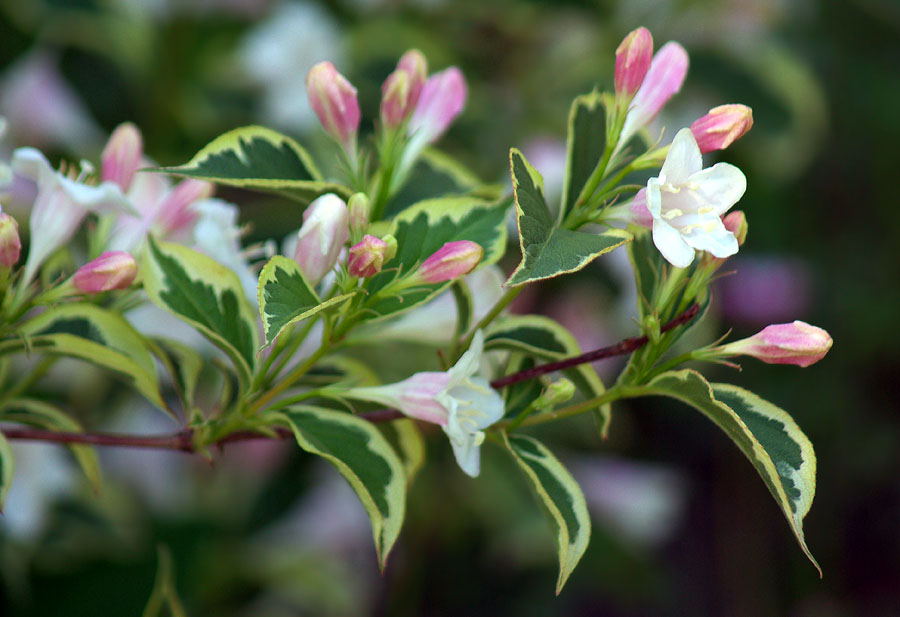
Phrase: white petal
(653, 197)
(469, 362)
(672, 246)
(720, 242)
(468, 455)
(32, 164)
(719, 187)
(683, 158)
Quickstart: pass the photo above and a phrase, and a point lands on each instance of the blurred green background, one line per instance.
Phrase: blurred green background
(683, 526)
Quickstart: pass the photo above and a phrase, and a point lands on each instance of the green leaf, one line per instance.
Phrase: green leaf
(7, 468)
(44, 415)
(364, 457)
(766, 434)
(285, 297)
(546, 339)
(649, 266)
(547, 250)
(585, 144)
(561, 497)
(185, 366)
(437, 175)
(255, 157)
(423, 229)
(406, 438)
(207, 295)
(518, 396)
(164, 596)
(97, 335)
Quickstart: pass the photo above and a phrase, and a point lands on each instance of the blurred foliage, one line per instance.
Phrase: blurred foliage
(822, 80)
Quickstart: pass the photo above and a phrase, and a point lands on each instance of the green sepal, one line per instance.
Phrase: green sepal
(423, 229)
(42, 414)
(208, 296)
(548, 340)
(548, 250)
(766, 434)
(7, 469)
(561, 498)
(255, 157)
(366, 460)
(585, 144)
(97, 335)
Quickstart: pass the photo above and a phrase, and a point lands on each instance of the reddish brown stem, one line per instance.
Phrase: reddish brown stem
(622, 347)
(183, 440)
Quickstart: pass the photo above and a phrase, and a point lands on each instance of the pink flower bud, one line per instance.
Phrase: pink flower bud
(323, 234)
(736, 223)
(640, 215)
(174, 213)
(112, 270)
(633, 58)
(790, 343)
(451, 261)
(667, 72)
(367, 257)
(10, 244)
(722, 126)
(122, 155)
(415, 65)
(395, 99)
(333, 98)
(443, 98)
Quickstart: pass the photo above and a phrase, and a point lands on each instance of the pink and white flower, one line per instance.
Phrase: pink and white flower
(797, 343)
(663, 80)
(458, 400)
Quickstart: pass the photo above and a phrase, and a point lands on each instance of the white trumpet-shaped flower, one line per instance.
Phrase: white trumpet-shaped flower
(462, 403)
(687, 203)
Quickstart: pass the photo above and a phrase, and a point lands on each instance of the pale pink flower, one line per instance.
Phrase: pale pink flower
(111, 270)
(122, 155)
(333, 98)
(796, 343)
(722, 126)
(324, 233)
(367, 257)
(451, 261)
(667, 72)
(443, 98)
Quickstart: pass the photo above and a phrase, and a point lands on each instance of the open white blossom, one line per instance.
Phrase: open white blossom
(687, 203)
(462, 403)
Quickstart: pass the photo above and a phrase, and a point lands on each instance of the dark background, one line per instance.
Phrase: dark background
(266, 532)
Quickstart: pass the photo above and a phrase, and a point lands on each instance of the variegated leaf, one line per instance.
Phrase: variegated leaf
(561, 498)
(766, 434)
(7, 468)
(584, 146)
(364, 457)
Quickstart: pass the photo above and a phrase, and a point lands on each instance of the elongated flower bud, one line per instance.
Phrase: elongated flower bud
(367, 257)
(322, 236)
(796, 343)
(639, 214)
(10, 243)
(736, 223)
(633, 58)
(722, 126)
(391, 250)
(333, 98)
(414, 64)
(395, 99)
(443, 98)
(122, 155)
(451, 261)
(667, 72)
(112, 270)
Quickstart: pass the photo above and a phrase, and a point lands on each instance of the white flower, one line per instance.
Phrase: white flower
(61, 205)
(687, 203)
(462, 403)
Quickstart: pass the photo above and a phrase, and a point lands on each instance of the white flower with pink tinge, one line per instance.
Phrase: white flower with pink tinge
(687, 203)
(462, 403)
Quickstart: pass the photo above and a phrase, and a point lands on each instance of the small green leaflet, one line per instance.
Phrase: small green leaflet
(98, 336)
(437, 175)
(548, 250)
(7, 468)
(423, 229)
(584, 145)
(766, 434)
(561, 497)
(207, 295)
(286, 298)
(255, 157)
(546, 339)
(364, 457)
(184, 365)
(164, 598)
(40, 413)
